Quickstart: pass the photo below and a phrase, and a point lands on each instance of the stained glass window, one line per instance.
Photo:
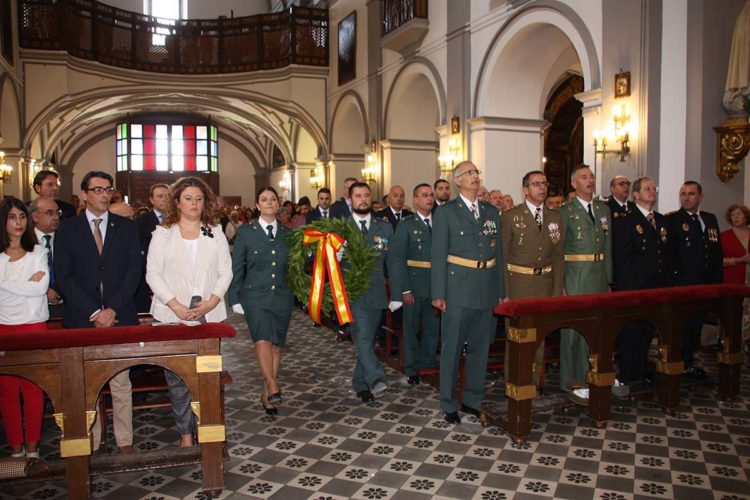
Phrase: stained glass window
(167, 147)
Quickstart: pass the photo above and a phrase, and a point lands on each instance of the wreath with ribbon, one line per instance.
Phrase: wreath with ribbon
(332, 284)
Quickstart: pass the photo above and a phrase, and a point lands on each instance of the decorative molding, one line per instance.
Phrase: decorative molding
(497, 123)
(410, 144)
(732, 145)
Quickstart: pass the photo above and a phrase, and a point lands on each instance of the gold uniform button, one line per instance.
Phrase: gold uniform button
(273, 287)
(273, 263)
(273, 275)
(273, 252)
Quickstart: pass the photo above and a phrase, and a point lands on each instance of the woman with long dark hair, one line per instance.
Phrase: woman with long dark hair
(24, 279)
(261, 292)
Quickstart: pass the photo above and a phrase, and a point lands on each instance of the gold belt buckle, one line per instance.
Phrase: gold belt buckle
(481, 264)
(597, 257)
(537, 271)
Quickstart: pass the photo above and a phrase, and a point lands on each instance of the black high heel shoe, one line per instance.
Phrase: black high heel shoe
(272, 410)
(275, 398)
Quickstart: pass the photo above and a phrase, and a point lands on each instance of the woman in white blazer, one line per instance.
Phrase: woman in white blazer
(189, 270)
(24, 278)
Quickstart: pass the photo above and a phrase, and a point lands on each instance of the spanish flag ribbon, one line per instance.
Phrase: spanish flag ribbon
(325, 260)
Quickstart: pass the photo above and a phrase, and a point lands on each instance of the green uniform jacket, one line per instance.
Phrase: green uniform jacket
(524, 245)
(259, 267)
(412, 242)
(380, 237)
(456, 232)
(582, 236)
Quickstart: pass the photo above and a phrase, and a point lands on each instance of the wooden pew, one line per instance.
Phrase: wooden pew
(600, 318)
(72, 366)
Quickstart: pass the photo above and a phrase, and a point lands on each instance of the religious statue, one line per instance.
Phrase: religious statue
(736, 99)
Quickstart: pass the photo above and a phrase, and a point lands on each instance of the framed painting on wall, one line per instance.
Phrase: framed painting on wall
(348, 48)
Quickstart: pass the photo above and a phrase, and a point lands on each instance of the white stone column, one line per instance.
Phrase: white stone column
(405, 163)
(673, 111)
(592, 120)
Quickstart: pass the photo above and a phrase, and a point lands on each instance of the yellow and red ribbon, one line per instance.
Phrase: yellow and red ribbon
(326, 261)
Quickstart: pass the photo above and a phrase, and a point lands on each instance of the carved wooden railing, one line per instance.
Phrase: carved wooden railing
(396, 13)
(98, 32)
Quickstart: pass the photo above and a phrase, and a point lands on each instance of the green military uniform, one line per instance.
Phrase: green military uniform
(534, 260)
(467, 262)
(260, 281)
(409, 270)
(588, 269)
(368, 309)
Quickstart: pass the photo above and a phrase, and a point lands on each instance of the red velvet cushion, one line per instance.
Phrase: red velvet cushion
(525, 307)
(53, 339)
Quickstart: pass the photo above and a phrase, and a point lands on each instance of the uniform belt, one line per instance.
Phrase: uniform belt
(584, 257)
(528, 270)
(474, 264)
(419, 263)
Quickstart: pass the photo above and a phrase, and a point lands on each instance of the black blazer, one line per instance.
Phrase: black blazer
(67, 209)
(146, 225)
(314, 215)
(80, 270)
(340, 209)
(695, 254)
(617, 210)
(387, 215)
(640, 252)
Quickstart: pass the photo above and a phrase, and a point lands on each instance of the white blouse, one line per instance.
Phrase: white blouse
(23, 301)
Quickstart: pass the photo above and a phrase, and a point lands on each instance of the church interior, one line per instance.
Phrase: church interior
(299, 95)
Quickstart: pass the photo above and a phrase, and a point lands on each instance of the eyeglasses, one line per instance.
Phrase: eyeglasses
(100, 190)
(470, 172)
(539, 184)
(50, 213)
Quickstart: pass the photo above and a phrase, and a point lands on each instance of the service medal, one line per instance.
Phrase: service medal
(605, 224)
(685, 227)
(639, 229)
(663, 233)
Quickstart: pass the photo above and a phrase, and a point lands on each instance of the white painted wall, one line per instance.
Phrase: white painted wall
(204, 9)
(99, 156)
(236, 173)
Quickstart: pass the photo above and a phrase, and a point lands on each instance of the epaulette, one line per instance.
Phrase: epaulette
(408, 217)
(600, 201)
(671, 213)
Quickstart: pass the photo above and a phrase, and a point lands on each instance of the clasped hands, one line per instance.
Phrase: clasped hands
(195, 313)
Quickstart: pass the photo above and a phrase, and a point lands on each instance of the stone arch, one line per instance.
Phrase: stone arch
(411, 84)
(349, 130)
(11, 126)
(555, 36)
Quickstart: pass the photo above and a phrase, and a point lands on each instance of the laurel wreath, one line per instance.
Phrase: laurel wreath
(357, 263)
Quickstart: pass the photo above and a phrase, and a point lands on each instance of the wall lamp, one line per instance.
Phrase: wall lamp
(285, 184)
(450, 160)
(370, 170)
(5, 169)
(619, 134)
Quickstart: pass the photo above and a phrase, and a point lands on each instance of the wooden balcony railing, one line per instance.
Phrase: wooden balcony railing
(396, 13)
(98, 32)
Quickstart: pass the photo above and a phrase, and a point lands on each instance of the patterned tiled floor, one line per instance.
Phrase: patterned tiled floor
(325, 444)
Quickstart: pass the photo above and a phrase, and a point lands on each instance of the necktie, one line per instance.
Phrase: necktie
(651, 219)
(324, 214)
(398, 216)
(591, 213)
(697, 219)
(98, 236)
(474, 211)
(48, 246)
(269, 228)
(363, 223)
(538, 217)
(160, 217)
(427, 221)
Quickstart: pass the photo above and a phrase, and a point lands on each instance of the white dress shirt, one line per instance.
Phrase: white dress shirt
(102, 225)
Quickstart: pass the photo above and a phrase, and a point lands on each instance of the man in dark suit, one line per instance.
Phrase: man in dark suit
(46, 217)
(98, 267)
(395, 211)
(639, 240)
(619, 189)
(696, 257)
(324, 206)
(159, 199)
(442, 190)
(47, 185)
(342, 208)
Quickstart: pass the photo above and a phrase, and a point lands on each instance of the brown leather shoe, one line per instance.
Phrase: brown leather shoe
(126, 450)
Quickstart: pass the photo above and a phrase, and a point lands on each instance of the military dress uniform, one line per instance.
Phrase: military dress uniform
(641, 261)
(696, 256)
(588, 269)
(410, 272)
(534, 260)
(260, 282)
(368, 309)
(467, 263)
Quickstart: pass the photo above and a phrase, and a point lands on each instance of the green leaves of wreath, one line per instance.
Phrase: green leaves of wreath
(357, 262)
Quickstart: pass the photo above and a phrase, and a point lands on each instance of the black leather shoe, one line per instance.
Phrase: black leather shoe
(695, 374)
(365, 396)
(452, 418)
(471, 411)
(413, 380)
(275, 398)
(270, 410)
